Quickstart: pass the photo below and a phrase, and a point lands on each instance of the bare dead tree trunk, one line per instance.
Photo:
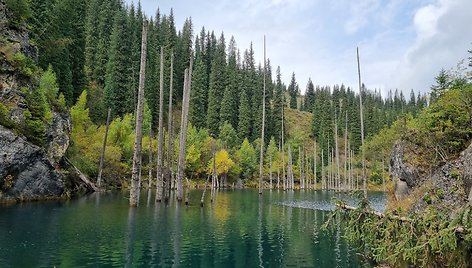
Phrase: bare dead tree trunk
(300, 164)
(102, 158)
(150, 157)
(333, 169)
(283, 144)
(362, 126)
(170, 132)
(290, 172)
(329, 168)
(383, 174)
(261, 161)
(214, 177)
(346, 185)
(134, 191)
(278, 171)
(270, 169)
(323, 179)
(160, 143)
(349, 169)
(183, 130)
(338, 170)
(204, 191)
(314, 165)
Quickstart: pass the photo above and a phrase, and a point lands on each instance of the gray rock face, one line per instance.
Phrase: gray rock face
(25, 172)
(400, 169)
(466, 158)
(401, 190)
(58, 137)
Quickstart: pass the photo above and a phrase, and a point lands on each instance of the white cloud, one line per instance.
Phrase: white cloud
(443, 37)
(403, 43)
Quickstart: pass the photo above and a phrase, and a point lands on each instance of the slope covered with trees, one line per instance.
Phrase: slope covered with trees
(99, 53)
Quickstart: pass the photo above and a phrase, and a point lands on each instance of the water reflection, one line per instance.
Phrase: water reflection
(239, 228)
(130, 237)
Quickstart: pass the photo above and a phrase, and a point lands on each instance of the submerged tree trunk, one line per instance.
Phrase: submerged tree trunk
(323, 179)
(183, 130)
(214, 177)
(283, 144)
(300, 165)
(134, 191)
(261, 161)
(314, 165)
(362, 126)
(346, 185)
(278, 172)
(150, 157)
(170, 132)
(102, 158)
(160, 143)
(290, 170)
(270, 169)
(204, 191)
(338, 170)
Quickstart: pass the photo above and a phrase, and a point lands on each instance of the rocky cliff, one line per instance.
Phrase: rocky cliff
(447, 186)
(27, 171)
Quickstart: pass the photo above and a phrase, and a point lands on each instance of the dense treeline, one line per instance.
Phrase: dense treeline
(99, 53)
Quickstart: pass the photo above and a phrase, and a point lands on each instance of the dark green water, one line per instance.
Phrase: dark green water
(242, 229)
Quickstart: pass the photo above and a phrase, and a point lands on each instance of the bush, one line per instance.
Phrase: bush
(376, 178)
(5, 117)
(24, 64)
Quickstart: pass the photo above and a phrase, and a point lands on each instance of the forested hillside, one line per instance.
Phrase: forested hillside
(99, 52)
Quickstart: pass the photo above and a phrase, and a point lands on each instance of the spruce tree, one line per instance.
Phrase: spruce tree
(198, 100)
(244, 121)
(292, 92)
(278, 105)
(117, 83)
(309, 96)
(217, 87)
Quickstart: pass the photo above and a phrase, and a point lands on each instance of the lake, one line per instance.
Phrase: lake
(239, 229)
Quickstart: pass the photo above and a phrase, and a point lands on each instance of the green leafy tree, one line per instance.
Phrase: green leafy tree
(247, 159)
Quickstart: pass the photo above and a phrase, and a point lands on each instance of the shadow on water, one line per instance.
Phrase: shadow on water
(240, 228)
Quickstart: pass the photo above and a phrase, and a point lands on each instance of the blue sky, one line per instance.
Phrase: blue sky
(403, 43)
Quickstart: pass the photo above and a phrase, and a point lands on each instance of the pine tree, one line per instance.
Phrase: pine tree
(217, 87)
(278, 105)
(443, 82)
(118, 96)
(292, 92)
(309, 96)
(244, 116)
(199, 94)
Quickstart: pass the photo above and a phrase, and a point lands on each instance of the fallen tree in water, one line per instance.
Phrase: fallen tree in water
(430, 239)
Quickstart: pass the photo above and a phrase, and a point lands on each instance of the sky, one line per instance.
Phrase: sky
(403, 44)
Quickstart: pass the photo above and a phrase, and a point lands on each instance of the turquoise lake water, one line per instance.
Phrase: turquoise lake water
(240, 229)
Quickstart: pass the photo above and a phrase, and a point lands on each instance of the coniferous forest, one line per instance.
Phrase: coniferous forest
(100, 96)
(99, 54)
